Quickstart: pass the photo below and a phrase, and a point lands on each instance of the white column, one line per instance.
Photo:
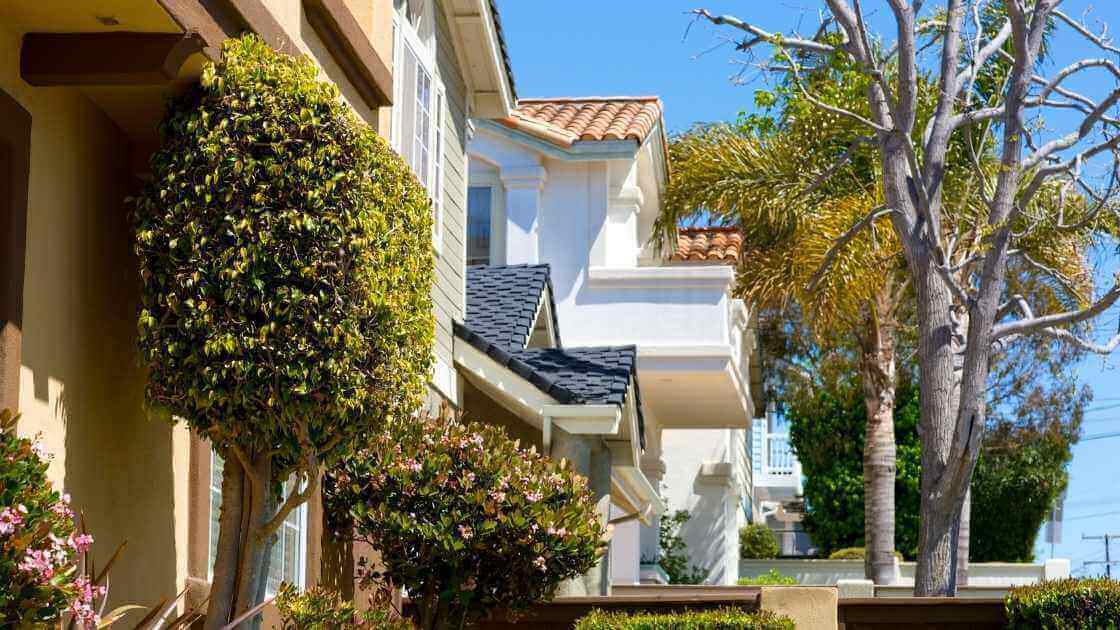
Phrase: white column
(622, 226)
(523, 186)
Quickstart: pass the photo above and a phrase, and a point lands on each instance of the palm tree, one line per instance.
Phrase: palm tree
(802, 186)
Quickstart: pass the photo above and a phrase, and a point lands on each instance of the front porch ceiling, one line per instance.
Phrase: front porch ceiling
(114, 58)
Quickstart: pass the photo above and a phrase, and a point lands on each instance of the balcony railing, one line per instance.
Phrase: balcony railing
(780, 459)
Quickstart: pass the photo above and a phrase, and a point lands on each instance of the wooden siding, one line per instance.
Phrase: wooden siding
(448, 291)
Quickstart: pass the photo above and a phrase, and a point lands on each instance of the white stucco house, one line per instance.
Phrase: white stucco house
(575, 183)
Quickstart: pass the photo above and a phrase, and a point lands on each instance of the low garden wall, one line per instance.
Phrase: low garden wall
(989, 579)
(915, 612)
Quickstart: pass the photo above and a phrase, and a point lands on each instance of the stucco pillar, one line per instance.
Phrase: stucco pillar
(592, 459)
(523, 186)
(653, 467)
(622, 226)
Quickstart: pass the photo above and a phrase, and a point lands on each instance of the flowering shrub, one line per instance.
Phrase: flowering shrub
(39, 545)
(463, 518)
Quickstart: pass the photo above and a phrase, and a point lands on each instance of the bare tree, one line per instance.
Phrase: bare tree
(964, 310)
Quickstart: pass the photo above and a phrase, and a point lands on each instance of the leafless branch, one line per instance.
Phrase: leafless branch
(1049, 323)
(762, 35)
(1089, 35)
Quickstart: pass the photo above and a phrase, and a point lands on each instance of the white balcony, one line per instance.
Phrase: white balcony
(778, 470)
(694, 341)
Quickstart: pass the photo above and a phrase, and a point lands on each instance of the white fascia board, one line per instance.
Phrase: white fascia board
(511, 386)
(588, 150)
(476, 16)
(718, 277)
(639, 490)
(585, 419)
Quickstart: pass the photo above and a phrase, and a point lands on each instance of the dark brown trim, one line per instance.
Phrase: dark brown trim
(217, 20)
(116, 58)
(15, 168)
(351, 48)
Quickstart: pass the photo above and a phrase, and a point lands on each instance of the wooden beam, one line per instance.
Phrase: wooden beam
(218, 20)
(15, 163)
(115, 58)
(351, 49)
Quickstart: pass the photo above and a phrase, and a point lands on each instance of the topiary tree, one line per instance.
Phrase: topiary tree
(286, 268)
(757, 542)
(40, 549)
(463, 518)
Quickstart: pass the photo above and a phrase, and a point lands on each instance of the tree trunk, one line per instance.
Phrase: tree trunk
(253, 547)
(219, 608)
(877, 371)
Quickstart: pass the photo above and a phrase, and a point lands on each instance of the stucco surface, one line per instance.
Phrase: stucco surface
(811, 608)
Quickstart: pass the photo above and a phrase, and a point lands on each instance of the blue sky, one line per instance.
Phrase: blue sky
(637, 47)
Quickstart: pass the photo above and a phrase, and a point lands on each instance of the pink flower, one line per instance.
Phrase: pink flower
(80, 542)
(40, 451)
(10, 519)
(470, 584)
(533, 496)
(498, 496)
(539, 562)
(466, 532)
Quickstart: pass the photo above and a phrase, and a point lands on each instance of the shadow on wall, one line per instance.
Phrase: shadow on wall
(79, 345)
(705, 532)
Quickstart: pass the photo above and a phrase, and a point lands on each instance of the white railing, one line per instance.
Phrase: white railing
(780, 459)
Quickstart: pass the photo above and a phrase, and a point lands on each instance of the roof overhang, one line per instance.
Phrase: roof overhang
(482, 56)
(531, 404)
(698, 387)
(632, 491)
(583, 150)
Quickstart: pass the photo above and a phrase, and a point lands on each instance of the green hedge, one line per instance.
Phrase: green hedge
(1065, 605)
(854, 553)
(757, 542)
(770, 578)
(726, 619)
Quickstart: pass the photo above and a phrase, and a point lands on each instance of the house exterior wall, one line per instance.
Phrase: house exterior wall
(705, 474)
(81, 387)
(134, 475)
(448, 294)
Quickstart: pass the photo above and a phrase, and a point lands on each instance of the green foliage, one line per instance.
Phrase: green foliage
(725, 619)
(770, 578)
(1021, 471)
(40, 549)
(285, 261)
(827, 431)
(757, 542)
(321, 609)
(1069, 604)
(853, 553)
(463, 518)
(1020, 475)
(674, 559)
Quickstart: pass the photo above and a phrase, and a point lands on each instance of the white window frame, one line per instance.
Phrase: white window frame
(405, 34)
(302, 530)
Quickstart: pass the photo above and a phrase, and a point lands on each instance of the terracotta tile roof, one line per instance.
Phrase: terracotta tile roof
(708, 244)
(566, 120)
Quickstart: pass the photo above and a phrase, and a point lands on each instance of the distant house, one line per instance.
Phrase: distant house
(575, 183)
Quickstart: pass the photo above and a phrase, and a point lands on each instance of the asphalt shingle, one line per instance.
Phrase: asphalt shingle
(502, 302)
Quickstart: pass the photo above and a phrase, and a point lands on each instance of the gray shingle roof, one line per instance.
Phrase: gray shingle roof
(502, 302)
(501, 308)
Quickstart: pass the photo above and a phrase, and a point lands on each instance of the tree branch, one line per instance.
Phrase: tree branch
(841, 242)
(1047, 323)
(776, 39)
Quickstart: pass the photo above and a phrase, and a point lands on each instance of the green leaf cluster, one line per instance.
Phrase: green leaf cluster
(319, 608)
(34, 519)
(757, 542)
(724, 619)
(285, 261)
(853, 553)
(464, 518)
(1065, 605)
(770, 578)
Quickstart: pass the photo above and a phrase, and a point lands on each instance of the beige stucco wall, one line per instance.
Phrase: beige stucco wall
(810, 607)
(478, 407)
(80, 385)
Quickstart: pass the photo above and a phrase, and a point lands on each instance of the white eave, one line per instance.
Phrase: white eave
(480, 56)
(720, 277)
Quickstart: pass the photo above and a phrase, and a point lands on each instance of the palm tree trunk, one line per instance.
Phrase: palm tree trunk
(877, 369)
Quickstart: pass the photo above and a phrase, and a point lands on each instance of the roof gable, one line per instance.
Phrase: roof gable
(503, 303)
